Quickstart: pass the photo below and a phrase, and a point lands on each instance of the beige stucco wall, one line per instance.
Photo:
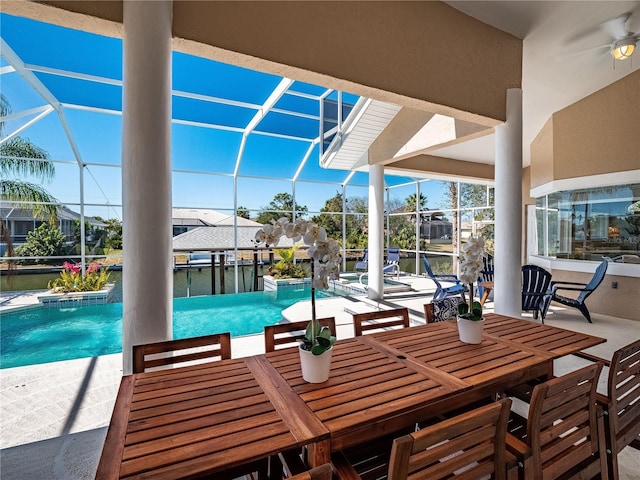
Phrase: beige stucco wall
(394, 51)
(620, 302)
(541, 169)
(598, 134)
(446, 166)
(527, 199)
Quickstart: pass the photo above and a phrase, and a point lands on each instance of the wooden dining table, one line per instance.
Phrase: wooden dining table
(214, 418)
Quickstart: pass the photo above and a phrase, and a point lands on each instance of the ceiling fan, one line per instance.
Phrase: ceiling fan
(624, 41)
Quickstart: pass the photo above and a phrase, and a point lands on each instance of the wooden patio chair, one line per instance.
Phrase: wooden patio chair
(584, 289)
(323, 472)
(564, 433)
(371, 322)
(161, 355)
(441, 292)
(288, 334)
(535, 283)
(622, 402)
(473, 443)
(440, 310)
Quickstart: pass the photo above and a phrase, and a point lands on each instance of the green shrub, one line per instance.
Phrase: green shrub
(45, 241)
(71, 279)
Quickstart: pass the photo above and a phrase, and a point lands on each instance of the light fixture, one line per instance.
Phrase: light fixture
(624, 48)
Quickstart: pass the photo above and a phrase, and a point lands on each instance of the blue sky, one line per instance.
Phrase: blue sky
(203, 158)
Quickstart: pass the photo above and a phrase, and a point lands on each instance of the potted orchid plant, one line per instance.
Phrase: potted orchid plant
(325, 264)
(470, 319)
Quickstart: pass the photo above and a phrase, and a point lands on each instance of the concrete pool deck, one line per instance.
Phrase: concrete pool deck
(53, 417)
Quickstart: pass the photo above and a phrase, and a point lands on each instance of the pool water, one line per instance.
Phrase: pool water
(49, 335)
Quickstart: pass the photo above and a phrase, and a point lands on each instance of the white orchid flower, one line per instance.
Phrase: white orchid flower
(290, 232)
(471, 259)
(314, 234)
(260, 236)
(324, 252)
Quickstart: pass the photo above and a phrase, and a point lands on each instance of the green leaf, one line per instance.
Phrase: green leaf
(318, 349)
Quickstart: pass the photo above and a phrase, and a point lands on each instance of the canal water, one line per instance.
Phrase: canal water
(200, 283)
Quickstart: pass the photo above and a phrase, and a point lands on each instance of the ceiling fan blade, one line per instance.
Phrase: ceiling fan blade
(633, 24)
(616, 27)
(566, 56)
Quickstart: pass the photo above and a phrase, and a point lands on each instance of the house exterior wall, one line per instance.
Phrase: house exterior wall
(542, 156)
(597, 135)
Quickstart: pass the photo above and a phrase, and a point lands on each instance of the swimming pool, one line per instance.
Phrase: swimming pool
(49, 335)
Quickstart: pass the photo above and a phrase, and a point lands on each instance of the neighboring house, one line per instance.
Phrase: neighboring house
(21, 222)
(186, 219)
(218, 238)
(435, 229)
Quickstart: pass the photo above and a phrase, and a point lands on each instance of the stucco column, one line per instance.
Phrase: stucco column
(376, 232)
(147, 283)
(508, 209)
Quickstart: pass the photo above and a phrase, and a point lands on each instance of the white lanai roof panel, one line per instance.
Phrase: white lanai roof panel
(361, 130)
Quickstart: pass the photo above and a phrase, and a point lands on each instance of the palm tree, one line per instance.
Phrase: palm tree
(20, 157)
(411, 203)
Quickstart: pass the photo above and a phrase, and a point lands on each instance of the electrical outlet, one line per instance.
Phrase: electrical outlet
(614, 284)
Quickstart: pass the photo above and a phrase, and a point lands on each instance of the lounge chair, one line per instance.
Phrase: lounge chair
(392, 265)
(584, 289)
(442, 292)
(362, 264)
(535, 283)
(486, 274)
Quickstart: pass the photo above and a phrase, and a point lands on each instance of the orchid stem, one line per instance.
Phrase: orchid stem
(313, 306)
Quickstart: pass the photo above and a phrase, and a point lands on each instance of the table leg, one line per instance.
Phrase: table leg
(319, 453)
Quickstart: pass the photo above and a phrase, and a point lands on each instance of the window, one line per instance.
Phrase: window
(591, 224)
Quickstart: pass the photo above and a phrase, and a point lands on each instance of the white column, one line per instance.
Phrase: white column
(376, 232)
(508, 209)
(147, 283)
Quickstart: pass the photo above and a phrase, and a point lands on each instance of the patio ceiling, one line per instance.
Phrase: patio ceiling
(566, 57)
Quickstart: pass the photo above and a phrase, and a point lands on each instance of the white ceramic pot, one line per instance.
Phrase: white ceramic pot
(315, 368)
(470, 331)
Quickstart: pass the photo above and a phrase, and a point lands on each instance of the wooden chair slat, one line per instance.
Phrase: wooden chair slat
(566, 445)
(445, 467)
(382, 319)
(220, 347)
(288, 334)
(423, 458)
(561, 410)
